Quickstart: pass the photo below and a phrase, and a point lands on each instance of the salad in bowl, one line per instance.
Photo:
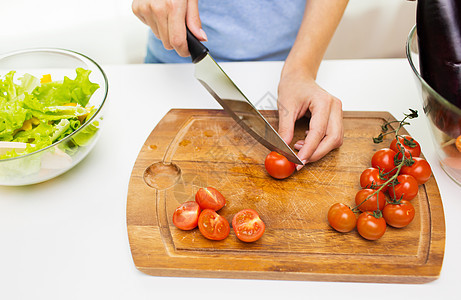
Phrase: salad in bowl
(50, 113)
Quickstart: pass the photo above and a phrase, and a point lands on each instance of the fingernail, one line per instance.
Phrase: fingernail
(299, 167)
(204, 37)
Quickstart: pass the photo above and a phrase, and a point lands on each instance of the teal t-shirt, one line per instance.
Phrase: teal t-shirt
(241, 30)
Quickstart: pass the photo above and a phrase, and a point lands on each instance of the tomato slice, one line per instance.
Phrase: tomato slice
(212, 225)
(248, 226)
(185, 217)
(210, 198)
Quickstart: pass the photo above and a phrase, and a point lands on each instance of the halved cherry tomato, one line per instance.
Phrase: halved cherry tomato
(370, 227)
(383, 160)
(341, 217)
(210, 198)
(185, 217)
(399, 215)
(248, 226)
(371, 179)
(370, 204)
(409, 144)
(406, 189)
(278, 166)
(420, 170)
(212, 225)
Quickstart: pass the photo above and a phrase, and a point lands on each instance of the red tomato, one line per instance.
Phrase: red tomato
(212, 225)
(370, 227)
(420, 170)
(406, 189)
(458, 143)
(341, 217)
(278, 166)
(185, 217)
(370, 179)
(370, 204)
(247, 225)
(383, 160)
(210, 198)
(399, 215)
(409, 144)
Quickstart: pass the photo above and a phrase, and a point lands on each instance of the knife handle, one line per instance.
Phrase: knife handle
(197, 50)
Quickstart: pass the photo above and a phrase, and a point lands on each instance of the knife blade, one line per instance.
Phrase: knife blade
(234, 102)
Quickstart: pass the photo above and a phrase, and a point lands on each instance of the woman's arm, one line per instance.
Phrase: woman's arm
(298, 92)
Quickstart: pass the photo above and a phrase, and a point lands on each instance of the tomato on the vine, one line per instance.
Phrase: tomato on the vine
(370, 178)
(370, 204)
(185, 217)
(341, 217)
(406, 188)
(420, 170)
(278, 166)
(211, 198)
(409, 144)
(248, 226)
(212, 225)
(370, 227)
(383, 160)
(399, 215)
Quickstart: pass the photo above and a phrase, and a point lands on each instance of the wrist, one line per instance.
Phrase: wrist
(298, 71)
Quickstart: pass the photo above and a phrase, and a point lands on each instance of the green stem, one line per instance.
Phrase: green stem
(397, 168)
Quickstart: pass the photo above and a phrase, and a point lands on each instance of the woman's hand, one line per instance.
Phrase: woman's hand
(298, 95)
(168, 19)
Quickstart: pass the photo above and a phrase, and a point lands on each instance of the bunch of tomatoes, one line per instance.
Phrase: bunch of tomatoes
(388, 187)
(202, 212)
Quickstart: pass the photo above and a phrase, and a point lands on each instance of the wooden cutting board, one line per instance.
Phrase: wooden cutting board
(210, 149)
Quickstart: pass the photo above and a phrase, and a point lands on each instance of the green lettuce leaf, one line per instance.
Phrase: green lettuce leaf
(58, 93)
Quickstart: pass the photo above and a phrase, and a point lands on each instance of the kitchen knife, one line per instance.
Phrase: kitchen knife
(234, 102)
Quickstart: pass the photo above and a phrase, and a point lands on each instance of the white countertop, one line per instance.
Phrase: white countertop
(67, 238)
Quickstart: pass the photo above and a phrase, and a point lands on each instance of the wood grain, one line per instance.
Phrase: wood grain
(212, 150)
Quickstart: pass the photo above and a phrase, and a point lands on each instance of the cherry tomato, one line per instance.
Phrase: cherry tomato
(383, 160)
(278, 166)
(247, 225)
(341, 217)
(407, 188)
(185, 217)
(370, 179)
(370, 227)
(409, 144)
(399, 215)
(370, 204)
(420, 170)
(210, 198)
(212, 225)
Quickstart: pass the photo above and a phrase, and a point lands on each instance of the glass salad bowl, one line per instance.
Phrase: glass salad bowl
(444, 117)
(51, 111)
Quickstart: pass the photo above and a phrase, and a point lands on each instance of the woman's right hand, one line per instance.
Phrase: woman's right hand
(168, 19)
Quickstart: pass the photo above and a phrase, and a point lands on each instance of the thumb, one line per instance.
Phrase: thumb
(193, 20)
(286, 125)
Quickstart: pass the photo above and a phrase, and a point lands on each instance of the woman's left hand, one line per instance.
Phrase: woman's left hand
(298, 95)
